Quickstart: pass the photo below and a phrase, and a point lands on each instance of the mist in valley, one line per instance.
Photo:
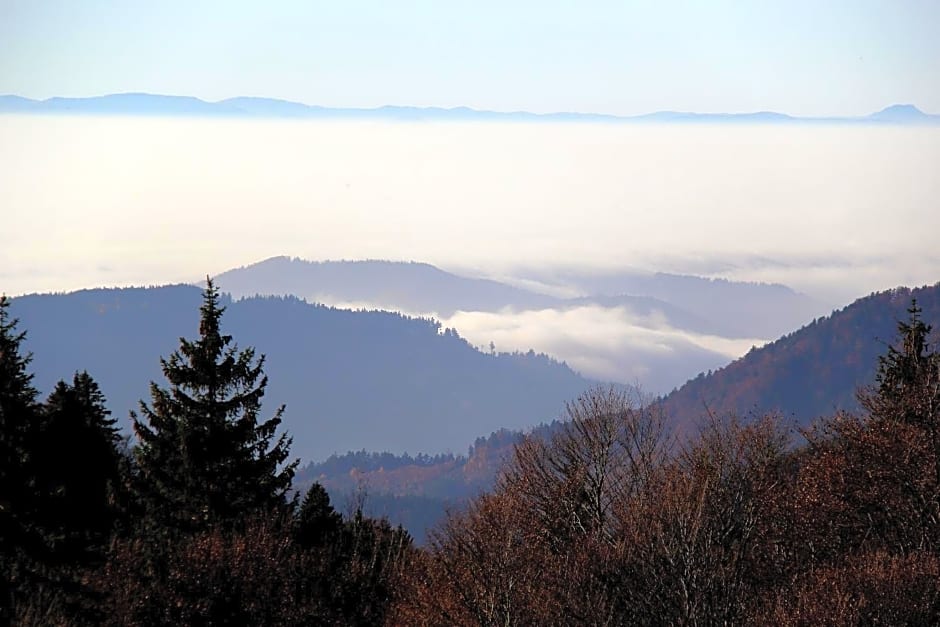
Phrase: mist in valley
(567, 210)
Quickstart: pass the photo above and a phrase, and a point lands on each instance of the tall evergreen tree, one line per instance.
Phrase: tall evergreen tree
(908, 391)
(204, 457)
(908, 379)
(18, 410)
(19, 542)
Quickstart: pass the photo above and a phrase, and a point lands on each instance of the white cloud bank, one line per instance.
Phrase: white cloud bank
(612, 344)
(107, 201)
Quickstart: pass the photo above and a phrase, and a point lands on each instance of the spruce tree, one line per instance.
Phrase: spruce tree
(316, 523)
(18, 412)
(204, 457)
(907, 391)
(19, 542)
(908, 379)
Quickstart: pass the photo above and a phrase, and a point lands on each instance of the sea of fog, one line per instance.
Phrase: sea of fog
(835, 212)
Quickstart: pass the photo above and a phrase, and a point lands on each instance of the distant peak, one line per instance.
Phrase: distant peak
(899, 112)
(287, 259)
(902, 108)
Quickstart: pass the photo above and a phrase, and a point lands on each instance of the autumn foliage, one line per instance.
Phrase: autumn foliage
(608, 517)
(614, 521)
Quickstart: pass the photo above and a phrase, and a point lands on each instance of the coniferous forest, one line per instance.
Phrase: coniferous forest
(611, 518)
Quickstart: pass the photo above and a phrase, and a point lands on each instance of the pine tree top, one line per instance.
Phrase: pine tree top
(203, 451)
(15, 378)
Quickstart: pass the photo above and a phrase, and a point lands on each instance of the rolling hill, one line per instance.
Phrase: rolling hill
(351, 380)
(629, 326)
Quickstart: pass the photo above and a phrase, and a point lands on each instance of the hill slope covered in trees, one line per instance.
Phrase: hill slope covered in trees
(813, 371)
(809, 373)
(351, 380)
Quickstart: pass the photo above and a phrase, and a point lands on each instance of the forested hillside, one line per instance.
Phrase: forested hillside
(611, 519)
(414, 492)
(610, 516)
(810, 372)
(351, 380)
(627, 326)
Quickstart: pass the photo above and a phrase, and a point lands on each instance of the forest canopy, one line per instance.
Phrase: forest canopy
(610, 517)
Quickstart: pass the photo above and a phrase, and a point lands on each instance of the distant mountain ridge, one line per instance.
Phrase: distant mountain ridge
(662, 328)
(257, 107)
(404, 286)
(689, 302)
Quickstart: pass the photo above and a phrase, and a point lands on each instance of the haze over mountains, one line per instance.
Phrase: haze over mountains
(387, 380)
(811, 372)
(155, 104)
(720, 307)
(381, 380)
(655, 329)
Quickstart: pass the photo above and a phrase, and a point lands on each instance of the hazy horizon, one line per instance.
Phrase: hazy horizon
(803, 57)
(156, 105)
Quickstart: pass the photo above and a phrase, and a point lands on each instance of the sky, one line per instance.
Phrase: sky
(803, 57)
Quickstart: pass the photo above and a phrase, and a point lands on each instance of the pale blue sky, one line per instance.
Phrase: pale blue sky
(818, 57)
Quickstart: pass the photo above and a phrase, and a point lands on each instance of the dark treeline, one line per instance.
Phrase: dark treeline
(417, 491)
(366, 461)
(606, 518)
(193, 524)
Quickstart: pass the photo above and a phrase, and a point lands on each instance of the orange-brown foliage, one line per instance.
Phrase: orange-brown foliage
(871, 589)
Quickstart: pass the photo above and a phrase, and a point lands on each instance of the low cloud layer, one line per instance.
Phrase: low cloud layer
(612, 344)
(161, 200)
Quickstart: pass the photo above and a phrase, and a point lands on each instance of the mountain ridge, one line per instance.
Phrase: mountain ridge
(139, 103)
(814, 370)
(349, 379)
(421, 288)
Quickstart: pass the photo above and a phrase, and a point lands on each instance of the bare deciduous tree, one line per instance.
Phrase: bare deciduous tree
(607, 449)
